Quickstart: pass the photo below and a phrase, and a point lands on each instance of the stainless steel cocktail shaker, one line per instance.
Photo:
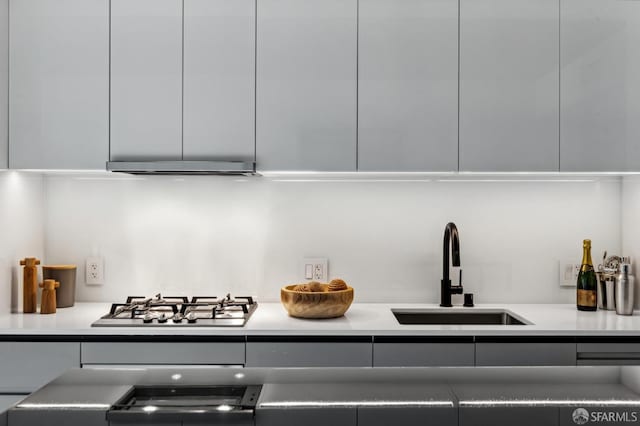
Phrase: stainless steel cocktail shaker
(625, 287)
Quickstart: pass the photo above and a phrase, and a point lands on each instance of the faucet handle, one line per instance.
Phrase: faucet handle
(456, 276)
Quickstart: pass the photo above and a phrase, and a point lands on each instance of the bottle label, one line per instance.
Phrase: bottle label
(587, 298)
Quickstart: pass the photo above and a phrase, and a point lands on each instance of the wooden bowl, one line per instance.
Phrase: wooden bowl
(316, 304)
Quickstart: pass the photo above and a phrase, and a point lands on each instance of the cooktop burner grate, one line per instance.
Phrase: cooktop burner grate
(205, 311)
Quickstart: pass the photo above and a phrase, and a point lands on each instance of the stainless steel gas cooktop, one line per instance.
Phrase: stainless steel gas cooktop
(181, 311)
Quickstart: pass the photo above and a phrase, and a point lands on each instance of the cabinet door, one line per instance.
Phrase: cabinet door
(59, 84)
(306, 416)
(525, 354)
(408, 85)
(600, 90)
(307, 352)
(219, 79)
(423, 354)
(508, 416)
(26, 366)
(509, 85)
(146, 80)
(306, 85)
(210, 353)
(407, 416)
(4, 76)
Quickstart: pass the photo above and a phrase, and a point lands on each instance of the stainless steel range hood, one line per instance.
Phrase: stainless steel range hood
(245, 168)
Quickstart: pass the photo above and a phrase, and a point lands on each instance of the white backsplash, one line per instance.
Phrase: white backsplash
(631, 227)
(209, 235)
(21, 231)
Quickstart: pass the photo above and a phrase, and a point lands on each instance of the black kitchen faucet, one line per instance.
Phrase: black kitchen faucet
(451, 242)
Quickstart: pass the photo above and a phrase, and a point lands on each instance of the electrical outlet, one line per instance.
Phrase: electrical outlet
(315, 269)
(569, 273)
(94, 271)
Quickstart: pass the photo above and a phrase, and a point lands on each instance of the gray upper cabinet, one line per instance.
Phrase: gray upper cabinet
(408, 85)
(59, 84)
(219, 79)
(600, 90)
(306, 85)
(146, 79)
(4, 75)
(509, 85)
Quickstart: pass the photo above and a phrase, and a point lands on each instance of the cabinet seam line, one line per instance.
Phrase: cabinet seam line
(459, 25)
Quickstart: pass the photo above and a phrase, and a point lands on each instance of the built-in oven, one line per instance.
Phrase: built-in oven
(213, 405)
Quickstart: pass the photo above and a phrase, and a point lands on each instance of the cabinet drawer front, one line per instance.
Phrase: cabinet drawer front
(608, 353)
(423, 354)
(58, 417)
(407, 416)
(498, 416)
(307, 417)
(497, 354)
(163, 353)
(26, 366)
(309, 354)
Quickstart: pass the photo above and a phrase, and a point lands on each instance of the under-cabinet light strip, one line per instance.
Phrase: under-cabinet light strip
(547, 402)
(311, 404)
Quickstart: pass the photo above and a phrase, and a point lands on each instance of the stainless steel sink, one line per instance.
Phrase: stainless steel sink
(458, 317)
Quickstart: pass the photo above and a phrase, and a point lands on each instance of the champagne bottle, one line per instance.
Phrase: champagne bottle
(587, 286)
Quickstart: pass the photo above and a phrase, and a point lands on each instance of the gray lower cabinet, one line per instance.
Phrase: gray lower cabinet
(26, 366)
(525, 353)
(7, 401)
(600, 86)
(161, 353)
(308, 353)
(58, 85)
(608, 353)
(407, 416)
(57, 417)
(408, 85)
(509, 85)
(146, 80)
(306, 93)
(508, 416)
(306, 417)
(402, 352)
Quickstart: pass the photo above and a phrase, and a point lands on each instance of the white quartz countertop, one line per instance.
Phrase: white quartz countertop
(362, 319)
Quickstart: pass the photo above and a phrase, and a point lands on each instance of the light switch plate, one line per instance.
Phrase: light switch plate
(315, 269)
(568, 275)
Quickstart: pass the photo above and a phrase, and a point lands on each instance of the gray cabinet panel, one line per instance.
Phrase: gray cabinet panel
(146, 79)
(4, 76)
(407, 416)
(509, 85)
(59, 84)
(219, 79)
(7, 401)
(230, 353)
(308, 354)
(608, 353)
(600, 85)
(508, 416)
(57, 417)
(26, 366)
(306, 417)
(408, 85)
(525, 354)
(423, 354)
(306, 85)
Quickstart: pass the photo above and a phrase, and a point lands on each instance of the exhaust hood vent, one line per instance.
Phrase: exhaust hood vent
(221, 168)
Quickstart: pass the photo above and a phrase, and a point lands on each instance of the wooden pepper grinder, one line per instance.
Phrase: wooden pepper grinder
(48, 303)
(30, 284)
